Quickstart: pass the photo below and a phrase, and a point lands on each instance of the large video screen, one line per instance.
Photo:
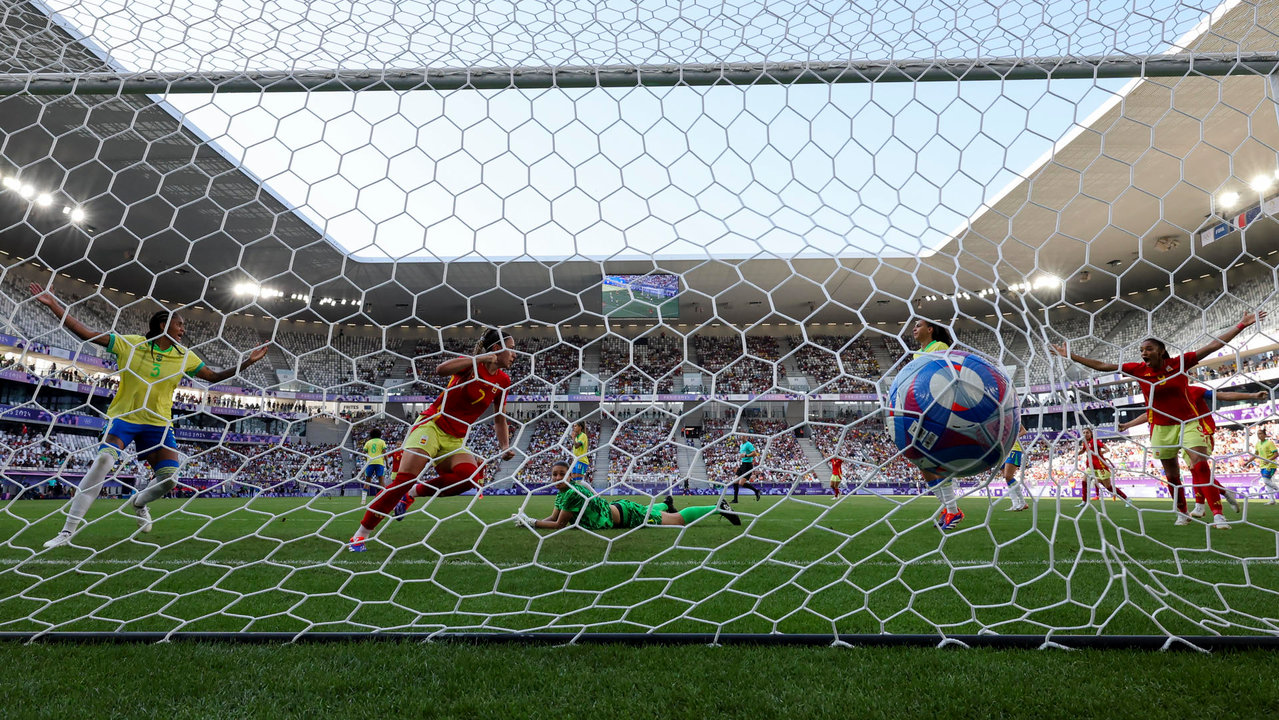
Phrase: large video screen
(641, 296)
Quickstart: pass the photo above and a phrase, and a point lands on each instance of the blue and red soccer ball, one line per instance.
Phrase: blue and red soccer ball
(953, 413)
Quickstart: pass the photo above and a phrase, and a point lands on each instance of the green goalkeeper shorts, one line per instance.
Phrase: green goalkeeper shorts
(633, 514)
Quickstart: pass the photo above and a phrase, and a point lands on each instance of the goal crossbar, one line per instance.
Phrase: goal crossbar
(532, 78)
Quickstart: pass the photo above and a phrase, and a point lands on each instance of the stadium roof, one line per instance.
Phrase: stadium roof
(173, 218)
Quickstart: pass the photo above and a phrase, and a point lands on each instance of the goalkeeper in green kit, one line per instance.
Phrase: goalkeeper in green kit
(576, 501)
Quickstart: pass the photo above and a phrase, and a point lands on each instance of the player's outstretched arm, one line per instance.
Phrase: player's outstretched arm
(1233, 396)
(209, 375)
(558, 519)
(82, 331)
(1097, 365)
(1248, 319)
(1139, 420)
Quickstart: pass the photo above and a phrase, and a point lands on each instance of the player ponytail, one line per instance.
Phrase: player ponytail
(940, 333)
(491, 338)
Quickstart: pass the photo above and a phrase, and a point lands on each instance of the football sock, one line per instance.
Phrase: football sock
(384, 503)
(454, 481)
(166, 478)
(945, 492)
(737, 488)
(694, 512)
(1201, 474)
(90, 486)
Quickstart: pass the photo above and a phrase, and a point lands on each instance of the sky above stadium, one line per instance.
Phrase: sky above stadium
(630, 173)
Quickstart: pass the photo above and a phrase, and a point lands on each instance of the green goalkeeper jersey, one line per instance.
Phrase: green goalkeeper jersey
(579, 499)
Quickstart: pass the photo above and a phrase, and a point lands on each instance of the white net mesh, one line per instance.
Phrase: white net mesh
(684, 265)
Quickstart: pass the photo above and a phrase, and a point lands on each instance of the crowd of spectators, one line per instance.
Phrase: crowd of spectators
(642, 448)
(647, 365)
(838, 363)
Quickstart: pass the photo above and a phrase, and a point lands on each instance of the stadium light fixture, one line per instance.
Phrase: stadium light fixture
(11, 182)
(44, 200)
(1262, 183)
(26, 191)
(1228, 199)
(77, 215)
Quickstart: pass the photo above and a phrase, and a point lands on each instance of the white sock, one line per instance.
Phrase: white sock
(1014, 492)
(165, 480)
(945, 492)
(88, 491)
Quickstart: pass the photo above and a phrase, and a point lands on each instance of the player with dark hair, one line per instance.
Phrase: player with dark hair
(1177, 424)
(932, 337)
(151, 367)
(576, 502)
(476, 383)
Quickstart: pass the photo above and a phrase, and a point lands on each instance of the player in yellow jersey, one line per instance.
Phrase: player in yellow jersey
(1267, 453)
(581, 453)
(375, 459)
(932, 337)
(151, 366)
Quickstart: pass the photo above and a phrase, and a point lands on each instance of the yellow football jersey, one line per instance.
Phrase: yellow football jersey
(581, 447)
(934, 346)
(148, 377)
(375, 448)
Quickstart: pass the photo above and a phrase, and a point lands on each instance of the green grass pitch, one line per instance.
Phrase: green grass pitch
(797, 565)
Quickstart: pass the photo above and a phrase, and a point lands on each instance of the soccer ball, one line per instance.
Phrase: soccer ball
(953, 413)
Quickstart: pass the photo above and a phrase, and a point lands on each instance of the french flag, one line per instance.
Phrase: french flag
(1241, 221)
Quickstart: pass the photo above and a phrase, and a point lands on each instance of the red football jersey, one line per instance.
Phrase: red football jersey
(1200, 397)
(1166, 388)
(395, 460)
(465, 400)
(837, 466)
(1096, 454)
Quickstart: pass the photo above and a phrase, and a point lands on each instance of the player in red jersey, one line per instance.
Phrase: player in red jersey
(439, 435)
(836, 474)
(1098, 470)
(1203, 399)
(1170, 408)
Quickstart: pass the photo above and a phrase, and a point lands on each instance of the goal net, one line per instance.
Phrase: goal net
(710, 233)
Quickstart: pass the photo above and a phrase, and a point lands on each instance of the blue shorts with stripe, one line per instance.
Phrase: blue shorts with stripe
(1267, 473)
(579, 468)
(374, 471)
(1014, 458)
(145, 437)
